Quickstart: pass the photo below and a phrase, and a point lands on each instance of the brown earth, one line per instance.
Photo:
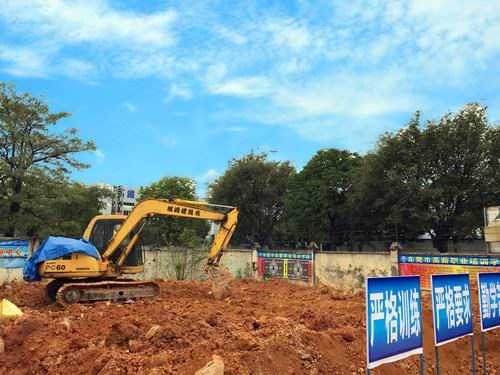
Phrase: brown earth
(268, 327)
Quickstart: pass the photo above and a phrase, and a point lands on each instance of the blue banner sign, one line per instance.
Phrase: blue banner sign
(284, 255)
(451, 260)
(393, 319)
(489, 300)
(13, 253)
(452, 307)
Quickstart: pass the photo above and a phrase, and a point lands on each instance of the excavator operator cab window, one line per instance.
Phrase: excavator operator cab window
(103, 231)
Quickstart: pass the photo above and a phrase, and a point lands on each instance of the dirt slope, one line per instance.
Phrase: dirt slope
(262, 328)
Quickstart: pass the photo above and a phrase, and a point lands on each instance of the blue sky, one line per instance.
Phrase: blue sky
(181, 87)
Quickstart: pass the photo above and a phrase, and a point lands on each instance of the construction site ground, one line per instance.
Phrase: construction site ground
(270, 327)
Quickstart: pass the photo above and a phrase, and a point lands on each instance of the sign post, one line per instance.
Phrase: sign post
(489, 306)
(393, 320)
(452, 310)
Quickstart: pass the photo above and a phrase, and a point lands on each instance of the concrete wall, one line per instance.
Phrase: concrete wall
(342, 270)
(338, 269)
(241, 263)
(10, 274)
(349, 270)
(161, 264)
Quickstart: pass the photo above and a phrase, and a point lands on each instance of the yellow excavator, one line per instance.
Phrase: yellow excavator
(80, 277)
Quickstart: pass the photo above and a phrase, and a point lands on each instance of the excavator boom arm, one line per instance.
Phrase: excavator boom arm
(221, 240)
(177, 208)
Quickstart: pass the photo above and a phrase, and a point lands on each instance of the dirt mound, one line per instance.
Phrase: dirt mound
(261, 328)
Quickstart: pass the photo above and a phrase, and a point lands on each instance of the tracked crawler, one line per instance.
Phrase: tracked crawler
(77, 292)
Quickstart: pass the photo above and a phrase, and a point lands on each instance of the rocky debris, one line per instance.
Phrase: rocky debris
(121, 333)
(214, 367)
(66, 323)
(212, 320)
(9, 309)
(152, 331)
(245, 342)
(135, 346)
(267, 327)
(347, 333)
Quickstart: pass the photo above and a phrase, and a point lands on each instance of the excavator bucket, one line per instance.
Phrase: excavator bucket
(220, 279)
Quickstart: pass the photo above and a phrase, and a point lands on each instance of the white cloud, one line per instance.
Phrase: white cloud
(145, 64)
(289, 34)
(129, 107)
(99, 155)
(242, 86)
(294, 66)
(231, 35)
(169, 141)
(90, 21)
(348, 94)
(314, 69)
(236, 129)
(178, 91)
(126, 44)
(23, 61)
(36, 61)
(77, 69)
(216, 72)
(205, 179)
(208, 176)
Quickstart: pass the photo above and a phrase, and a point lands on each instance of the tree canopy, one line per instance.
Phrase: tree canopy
(434, 178)
(257, 186)
(69, 209)
(316, 204)
(33, 157)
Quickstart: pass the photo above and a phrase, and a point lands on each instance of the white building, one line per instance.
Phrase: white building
(124, 198)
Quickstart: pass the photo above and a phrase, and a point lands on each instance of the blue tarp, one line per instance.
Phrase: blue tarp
(53, 248)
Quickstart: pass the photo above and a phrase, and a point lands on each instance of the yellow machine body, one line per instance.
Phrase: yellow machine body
(77, 265)
(115, 237)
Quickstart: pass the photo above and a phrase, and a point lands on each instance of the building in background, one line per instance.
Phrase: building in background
(492, 228)
(123, 199)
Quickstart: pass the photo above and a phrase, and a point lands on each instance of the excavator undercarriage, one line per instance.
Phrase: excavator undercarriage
(67, 292)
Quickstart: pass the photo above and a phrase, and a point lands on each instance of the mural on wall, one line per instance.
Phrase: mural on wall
(13, 253)
(426, 265)
(286, 265)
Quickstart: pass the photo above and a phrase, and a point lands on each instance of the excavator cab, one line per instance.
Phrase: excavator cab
(103, 228)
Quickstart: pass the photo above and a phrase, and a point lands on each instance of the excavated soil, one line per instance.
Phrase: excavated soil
(268, 327)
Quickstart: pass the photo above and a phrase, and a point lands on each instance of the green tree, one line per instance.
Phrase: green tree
(31, 153)
(257, 186)
(434, 179)
(59, 208)
(368, 207)
(316, 205)
(75, 204)
(170, 231)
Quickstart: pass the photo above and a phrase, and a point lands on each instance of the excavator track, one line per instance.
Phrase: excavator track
(84, 292)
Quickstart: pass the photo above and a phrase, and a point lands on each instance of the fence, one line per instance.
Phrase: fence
(340, 269)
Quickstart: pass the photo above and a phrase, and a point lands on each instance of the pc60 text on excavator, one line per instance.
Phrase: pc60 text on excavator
(79, 277)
